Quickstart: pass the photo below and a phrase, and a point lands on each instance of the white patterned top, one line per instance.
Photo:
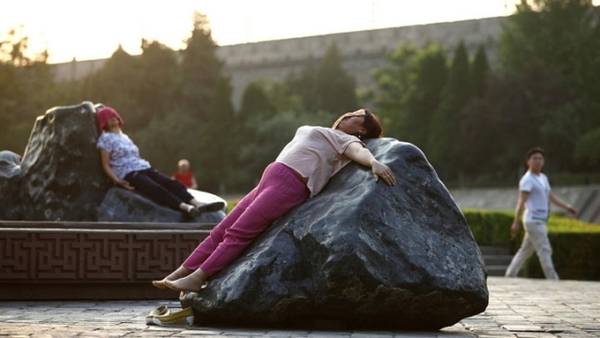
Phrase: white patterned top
(124, 154)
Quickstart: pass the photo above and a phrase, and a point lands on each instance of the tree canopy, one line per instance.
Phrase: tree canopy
(473, 116)
(562, 39)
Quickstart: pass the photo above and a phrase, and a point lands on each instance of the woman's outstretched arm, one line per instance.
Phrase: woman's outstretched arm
(362, 155)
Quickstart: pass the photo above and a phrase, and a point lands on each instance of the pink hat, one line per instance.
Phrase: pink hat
(103, 115)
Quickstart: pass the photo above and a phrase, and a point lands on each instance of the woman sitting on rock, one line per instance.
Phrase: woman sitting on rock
(121, 161)
(300, 171)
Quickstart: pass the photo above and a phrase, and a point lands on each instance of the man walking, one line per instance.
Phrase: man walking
(535, 197)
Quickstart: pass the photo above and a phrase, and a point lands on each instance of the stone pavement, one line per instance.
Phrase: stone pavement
(518, 307)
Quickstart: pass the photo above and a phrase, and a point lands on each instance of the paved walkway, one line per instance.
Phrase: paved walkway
(518, 308)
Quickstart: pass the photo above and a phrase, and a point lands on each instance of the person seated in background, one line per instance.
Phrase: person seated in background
(185, 175)
(121, 161)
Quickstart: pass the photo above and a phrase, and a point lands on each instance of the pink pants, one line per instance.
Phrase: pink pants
(278, 191)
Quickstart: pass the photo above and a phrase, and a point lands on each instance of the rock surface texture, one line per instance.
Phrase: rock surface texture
(360, 255)
(121, 205)
(62, 175)
(10, 176)
(60, 178)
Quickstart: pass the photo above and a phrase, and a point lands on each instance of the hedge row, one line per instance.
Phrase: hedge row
(575, 244)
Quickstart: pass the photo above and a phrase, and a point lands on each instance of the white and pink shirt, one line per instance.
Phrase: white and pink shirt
(317, 153)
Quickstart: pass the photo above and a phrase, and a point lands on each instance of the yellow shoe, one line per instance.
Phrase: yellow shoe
(183, 317)
(159, 311)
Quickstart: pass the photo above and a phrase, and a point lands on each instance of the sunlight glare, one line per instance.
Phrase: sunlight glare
(92, 30)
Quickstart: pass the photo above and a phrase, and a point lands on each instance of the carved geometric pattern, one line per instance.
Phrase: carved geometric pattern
(84, 255)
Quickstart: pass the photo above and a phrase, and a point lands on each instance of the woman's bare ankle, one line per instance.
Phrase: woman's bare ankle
(181, 272)
(192, 282)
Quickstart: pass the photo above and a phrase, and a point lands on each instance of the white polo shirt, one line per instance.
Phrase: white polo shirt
(537, 207)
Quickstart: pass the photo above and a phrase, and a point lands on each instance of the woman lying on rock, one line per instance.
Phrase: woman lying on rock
(121, 161)
(300, 171)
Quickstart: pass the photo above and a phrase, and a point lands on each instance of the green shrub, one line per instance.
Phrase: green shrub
(575, 248)
(492, 228)
(575, 244)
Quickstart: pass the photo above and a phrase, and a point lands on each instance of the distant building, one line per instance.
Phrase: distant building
(361, 51)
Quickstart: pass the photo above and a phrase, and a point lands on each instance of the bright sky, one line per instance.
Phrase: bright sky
(93, 29)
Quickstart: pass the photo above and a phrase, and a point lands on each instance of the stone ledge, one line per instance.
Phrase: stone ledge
(91, 260)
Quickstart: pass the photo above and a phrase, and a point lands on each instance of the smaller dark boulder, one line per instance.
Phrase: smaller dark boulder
(121, 205)
(60, 177)
(10, 176)
(62, 174)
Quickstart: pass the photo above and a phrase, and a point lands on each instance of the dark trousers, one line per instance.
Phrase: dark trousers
(159, 187)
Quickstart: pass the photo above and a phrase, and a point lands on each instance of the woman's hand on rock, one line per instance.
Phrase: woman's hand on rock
(125, 185)
(382, 171)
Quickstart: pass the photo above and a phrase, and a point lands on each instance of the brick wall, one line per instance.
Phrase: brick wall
(71, 260)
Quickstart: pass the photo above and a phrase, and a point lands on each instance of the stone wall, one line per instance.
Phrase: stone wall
(361, 51)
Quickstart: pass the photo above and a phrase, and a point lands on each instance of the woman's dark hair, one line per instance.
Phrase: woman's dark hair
(536, 150)
(373, 126)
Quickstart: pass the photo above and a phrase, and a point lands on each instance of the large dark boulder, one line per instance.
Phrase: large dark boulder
(61, 177)
(360, 255)
(62, 173)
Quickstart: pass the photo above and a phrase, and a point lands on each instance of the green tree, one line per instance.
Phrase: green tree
(303, 85)
(255, 101)
(392, 82)
(336, 89)
(480, 72)
(25, 90)
(445, 137)
(409, 91)
(562, 39)
(269, 136)
(163, 142)
(117, 85)
(476, 129)
(587, 151)
(427, 80)
(197, 109)
(199, 69)
(325, 86)
(156, 89)
(14, 49)
(281, 97)
(505, 123)
(256, 105)
(217, 146)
